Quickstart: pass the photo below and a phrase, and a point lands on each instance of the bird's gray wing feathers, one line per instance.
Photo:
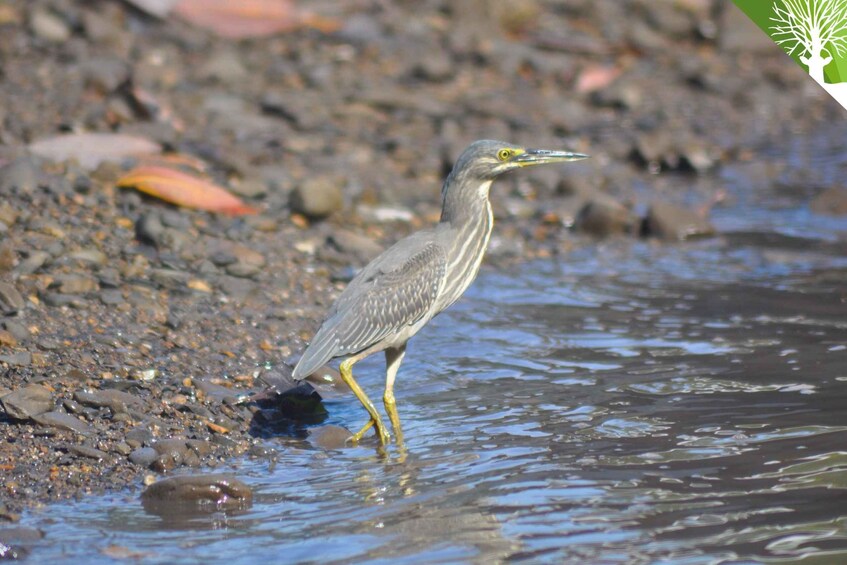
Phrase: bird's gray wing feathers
(395, 290)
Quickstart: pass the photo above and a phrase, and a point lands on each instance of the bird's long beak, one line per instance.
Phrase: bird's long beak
(541, 156)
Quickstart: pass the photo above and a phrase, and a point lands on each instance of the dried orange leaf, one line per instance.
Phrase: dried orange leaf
(184, 190)
(91, 149)
(239, 19)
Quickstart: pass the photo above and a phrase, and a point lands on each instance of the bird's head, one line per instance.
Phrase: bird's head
(485, 160)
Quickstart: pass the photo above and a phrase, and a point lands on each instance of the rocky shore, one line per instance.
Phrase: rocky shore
(134, 334)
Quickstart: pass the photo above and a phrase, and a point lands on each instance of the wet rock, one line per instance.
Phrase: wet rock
(63, 421)
(317, 197)
(27, 402)
(219, 490)
(330, 437)
(144, 456)
(48, 26)
(832, 201)
(11, 301)
(671, 222)
(604, 216)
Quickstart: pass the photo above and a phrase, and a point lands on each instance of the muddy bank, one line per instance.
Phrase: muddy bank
(132, 331)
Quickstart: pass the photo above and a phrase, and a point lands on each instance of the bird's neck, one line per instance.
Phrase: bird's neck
(467, 206)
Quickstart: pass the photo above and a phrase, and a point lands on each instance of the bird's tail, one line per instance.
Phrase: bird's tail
(324, 346)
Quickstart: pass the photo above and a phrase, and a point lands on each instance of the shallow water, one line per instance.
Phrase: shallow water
(633, 403)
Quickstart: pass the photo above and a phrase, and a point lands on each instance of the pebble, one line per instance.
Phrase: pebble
(48, 26)
(33, 262)
(63, 421)
(116, 400)
(317, 197)
(27, 402)
(17, 329)
(11, 301)
(17, 359)
(248, 263)
(671, 222)
(362, 247)
(144, 456)
(75, 284)
(89, 452)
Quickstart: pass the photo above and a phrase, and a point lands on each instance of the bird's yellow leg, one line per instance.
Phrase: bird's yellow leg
(393, 358)
(346, 370)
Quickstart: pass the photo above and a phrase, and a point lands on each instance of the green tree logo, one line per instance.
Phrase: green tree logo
(813, 30)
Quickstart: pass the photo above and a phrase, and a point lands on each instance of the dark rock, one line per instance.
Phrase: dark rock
(149, 229)
(219, 490)
(11, 301)
(329, 437)
(317, 197)
(671, 222)
(63, 421)
(144, 456)
(832, 201)
(604, 216)
(27, 402)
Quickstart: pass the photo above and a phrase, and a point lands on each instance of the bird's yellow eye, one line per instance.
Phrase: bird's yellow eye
(504, 154)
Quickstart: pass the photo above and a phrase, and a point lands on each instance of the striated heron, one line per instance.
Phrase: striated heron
(401, 290)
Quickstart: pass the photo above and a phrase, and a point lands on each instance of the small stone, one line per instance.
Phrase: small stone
(91, 256)
(149, 229)
(17, 329)
(317, 197)
(33, 262)
(11, 301)
(89, 452)
(75, 284)
(17, 359)
(7, 339)
(604, 216)
(248, 263)
(48, 26)
(63, 421)
(21, 176)
(671, 222)
(112, 297)
(144, 456)
(8, 215)
(27, 402)
(362, 247)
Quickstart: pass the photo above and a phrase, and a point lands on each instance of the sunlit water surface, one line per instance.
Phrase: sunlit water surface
(633, 403)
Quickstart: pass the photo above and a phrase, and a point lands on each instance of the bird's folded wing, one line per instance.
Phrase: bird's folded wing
(395, 290)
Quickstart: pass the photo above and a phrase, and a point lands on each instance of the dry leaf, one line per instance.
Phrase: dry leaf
(184, 190)
(91, 149)
(596, 77)
(239, 19)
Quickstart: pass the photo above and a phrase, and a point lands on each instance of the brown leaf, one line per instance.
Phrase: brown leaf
(184, 190)
(239, 19)
(91, 149)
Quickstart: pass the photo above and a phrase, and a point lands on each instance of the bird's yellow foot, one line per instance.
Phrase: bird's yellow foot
(380, 432)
